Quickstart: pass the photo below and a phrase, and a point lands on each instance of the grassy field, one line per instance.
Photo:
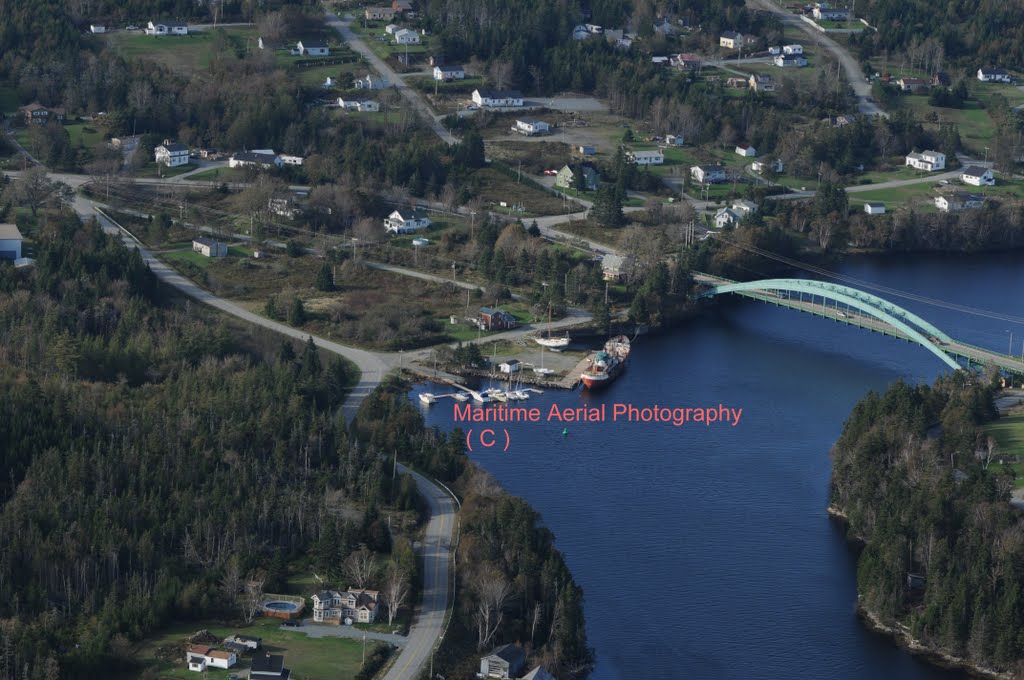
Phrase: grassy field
(495, 187)
(192, 52)
(918, 194)
(224, 174)
(87, 135)
(1008, 432)
(308, 658)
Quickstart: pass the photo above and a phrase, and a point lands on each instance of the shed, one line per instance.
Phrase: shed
(10, 242)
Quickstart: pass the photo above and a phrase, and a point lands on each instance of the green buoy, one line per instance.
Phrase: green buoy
(565, 431)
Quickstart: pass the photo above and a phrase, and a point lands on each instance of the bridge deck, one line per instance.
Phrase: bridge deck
(819, 307)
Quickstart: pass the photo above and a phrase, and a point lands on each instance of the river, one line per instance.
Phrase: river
(705, 551)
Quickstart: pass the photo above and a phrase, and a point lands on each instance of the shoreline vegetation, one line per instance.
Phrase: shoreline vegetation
(940, 550)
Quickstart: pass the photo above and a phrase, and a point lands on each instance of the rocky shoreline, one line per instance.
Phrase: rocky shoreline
(901, 635)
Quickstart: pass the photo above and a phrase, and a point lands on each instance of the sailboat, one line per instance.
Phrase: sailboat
(542, 370)
(550, 342)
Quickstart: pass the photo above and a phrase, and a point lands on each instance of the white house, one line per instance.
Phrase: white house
(792, 49)
(313, 48)
(993, 75)
(406, 36)
(497, 98)
(958, 200)
(201, 657)
(823, 12)
(731, 40)
(452, 72)
(532, 126)
(872, 208)
(167, 28)
(365, 105)
(370, 82)
(744, 207)
(674, 140)
(726, 217)
(746, 151)
(652, 157)
(503, 662)
(171, 154)
(209, 247)
(760, 82)
(255, 159)
(977, 176)
(391, 28)
(10, 242)
(927, 160)
(708, 174)
(406, 221)
(761, 166)
(790, 61)
(510, 366)
(97, 28)
(287, 159)
(356, 605)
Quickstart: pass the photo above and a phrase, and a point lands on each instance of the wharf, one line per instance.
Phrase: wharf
(572, 378)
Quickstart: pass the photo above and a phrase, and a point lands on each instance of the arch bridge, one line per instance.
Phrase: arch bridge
(856, 307)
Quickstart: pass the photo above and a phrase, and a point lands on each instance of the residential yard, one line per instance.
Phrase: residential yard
(186, 53)
(495, 187)
(85, 134)
(224, 174)
(383, 44)
(919, 195)
(154, 169)
(308, 658)
(1008, 432)
(342, 74)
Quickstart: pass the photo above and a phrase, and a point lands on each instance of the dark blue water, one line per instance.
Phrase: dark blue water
(706, 552)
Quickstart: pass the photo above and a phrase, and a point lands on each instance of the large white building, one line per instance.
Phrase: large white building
(993, 75)
(652, 157)
(406, 221)
(453, 72)
(171, 154)
(167, 28)
(927, 160)
(407, 36)
(356, 605)
(977, 176)
(497, 98)
(10, 242)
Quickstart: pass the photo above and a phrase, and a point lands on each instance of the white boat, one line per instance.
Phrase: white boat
(482, 397)
(428, 398)
(553, 343)
(522, 394)
(460, 396)
(544, 371)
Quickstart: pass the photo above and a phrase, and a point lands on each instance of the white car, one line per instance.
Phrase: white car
(131, 28)
(472, 107)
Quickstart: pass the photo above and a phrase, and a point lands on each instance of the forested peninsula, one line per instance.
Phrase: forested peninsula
(942, 558)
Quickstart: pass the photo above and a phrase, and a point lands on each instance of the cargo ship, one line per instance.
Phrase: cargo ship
(608, 363)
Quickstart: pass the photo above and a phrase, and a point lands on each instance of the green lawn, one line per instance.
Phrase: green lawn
(224, 174)
(308, 658)
(152, 169)
(975, 125)
(185, 53)
(190, 256)
(86, 134)
(1008, 432)
(915, 193)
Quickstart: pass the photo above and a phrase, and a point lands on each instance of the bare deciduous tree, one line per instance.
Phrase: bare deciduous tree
(396, 590)
(359, 567)
(253, 596)
(493, 592)
(500, 74)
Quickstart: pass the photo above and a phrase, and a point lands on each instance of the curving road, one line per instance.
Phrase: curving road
(411, 95)
(428, 623)
(854, 75)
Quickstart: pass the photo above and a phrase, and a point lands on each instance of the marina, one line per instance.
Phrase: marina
(486, 396)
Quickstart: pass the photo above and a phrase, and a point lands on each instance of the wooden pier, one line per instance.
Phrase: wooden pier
(572, 378)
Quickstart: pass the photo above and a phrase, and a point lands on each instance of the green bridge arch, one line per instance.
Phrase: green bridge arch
(910, 324)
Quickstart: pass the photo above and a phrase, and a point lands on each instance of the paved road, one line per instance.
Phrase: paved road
(854, 74)
(371, 368)
(428, 622)
(411, 95)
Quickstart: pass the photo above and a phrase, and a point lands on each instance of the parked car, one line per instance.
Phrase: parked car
(472, 107)
(292, 623)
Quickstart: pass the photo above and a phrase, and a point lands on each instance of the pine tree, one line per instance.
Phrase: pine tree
(607, 208)
(325, 277)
